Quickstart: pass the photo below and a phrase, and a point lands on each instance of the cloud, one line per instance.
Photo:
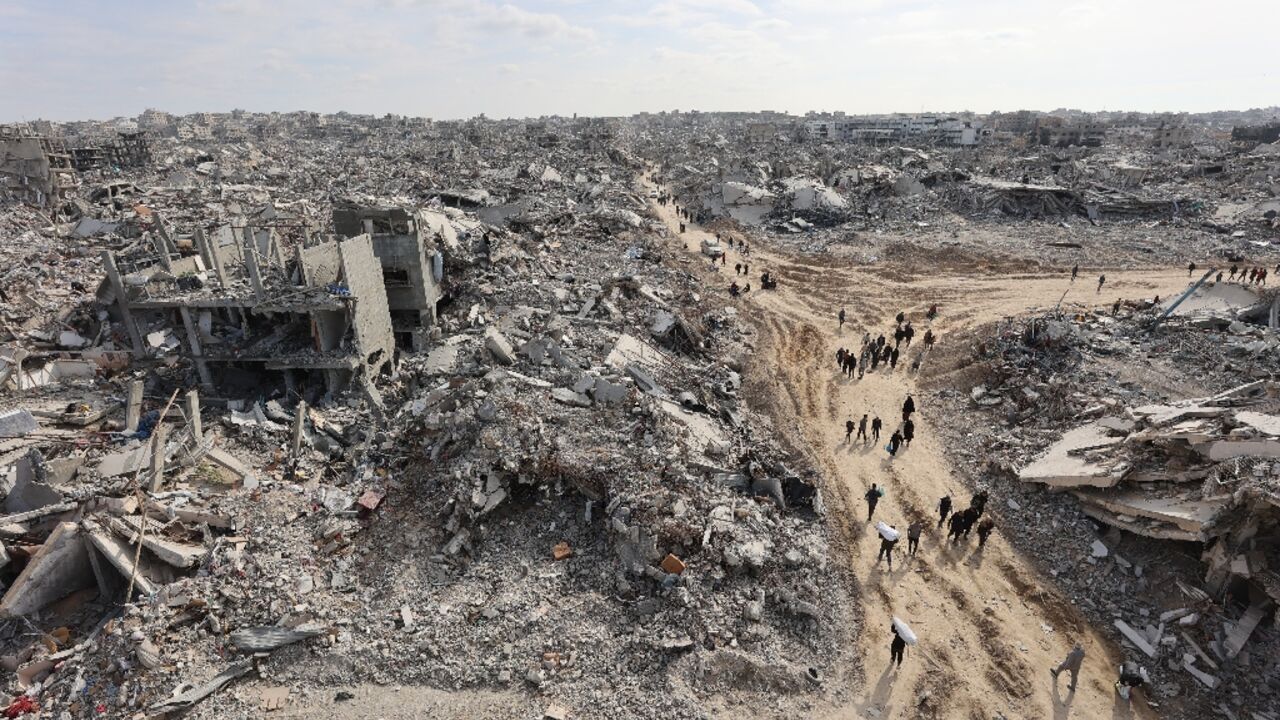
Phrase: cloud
(531, 24)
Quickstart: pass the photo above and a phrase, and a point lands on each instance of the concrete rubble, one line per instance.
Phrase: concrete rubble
(436, 406)
(293, 405)
(1163, 511)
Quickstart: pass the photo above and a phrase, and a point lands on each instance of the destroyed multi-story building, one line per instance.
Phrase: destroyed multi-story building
(317, 318)
(1056, 132)
(34, 168)
(412, 265)
(129, 149)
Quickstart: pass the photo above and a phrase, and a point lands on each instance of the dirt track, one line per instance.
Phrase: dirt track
(990, 625)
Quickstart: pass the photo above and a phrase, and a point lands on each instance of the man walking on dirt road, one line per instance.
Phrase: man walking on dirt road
(913, 536)
(944, 509)
(1075, 270)
(875, 428)
(908, 432)
(1101, 279)
(896, 648)
(862, 428)
(886, 550)
(895, 442)
(848, 431)
(908, 407)
(873, 497)
(842, 318)
(984, 531)
(1074, 660)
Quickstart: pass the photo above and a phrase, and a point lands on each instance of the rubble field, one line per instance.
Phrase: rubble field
(335, 419)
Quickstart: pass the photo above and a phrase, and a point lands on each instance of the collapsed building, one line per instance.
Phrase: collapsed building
(34, 169)
(317, 317)
(412, 263)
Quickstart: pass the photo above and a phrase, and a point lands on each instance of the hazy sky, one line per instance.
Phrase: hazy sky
(78, 59)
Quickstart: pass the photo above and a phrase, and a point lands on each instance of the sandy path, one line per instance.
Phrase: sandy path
(990, 625)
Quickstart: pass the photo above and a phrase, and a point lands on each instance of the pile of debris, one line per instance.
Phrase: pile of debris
(1146, 484)
(469, 426)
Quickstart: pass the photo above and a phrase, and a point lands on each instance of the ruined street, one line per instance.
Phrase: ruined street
(335, 415)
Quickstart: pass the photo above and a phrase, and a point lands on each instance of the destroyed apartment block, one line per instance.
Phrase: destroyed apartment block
(34, 169)
(412, 264)
(239, 306)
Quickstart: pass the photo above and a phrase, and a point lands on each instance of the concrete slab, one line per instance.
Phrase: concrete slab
(1189, 512)
(1227, 449)
(123, 463)
(1263, 423)
(1222, 300)
(60, 568)
(1078, 460)
(17, 423)
(120, 555)
(1140, 526)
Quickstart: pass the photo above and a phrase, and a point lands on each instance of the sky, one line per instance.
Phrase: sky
(89, 59)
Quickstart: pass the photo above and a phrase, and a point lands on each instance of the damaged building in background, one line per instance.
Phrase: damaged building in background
(130, 149)
(34, 169)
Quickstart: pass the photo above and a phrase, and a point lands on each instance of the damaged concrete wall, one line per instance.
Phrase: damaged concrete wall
(371, 317)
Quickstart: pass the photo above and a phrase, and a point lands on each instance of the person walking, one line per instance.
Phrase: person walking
(1075, 270)
(1234, 269)
(895, 442)
(896, 648)
(968, 518)
(875, 428)
(848, 431)
(908, 407)
(1074, 660)
(893, 359)
(978, 504)
(913, 537)
(886, 550)
(842, 318)
(1101, 279)
(908, 432)
(954, 527)
(928, 338)
(873, 496)
(933, 312)
(984, 531)
(908, 333)
(1191, 267)
(944, 509)
(862, 428)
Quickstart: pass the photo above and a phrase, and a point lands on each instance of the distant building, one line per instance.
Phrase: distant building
(34, 169)
(1055, 132)
(761, 132)
(895, 128)
(1256, 133)
(1171, 136)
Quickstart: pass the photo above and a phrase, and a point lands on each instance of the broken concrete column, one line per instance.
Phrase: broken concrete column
(299, 421)
(193, 418)
(133, 407)
(122, 301)
(161, 434)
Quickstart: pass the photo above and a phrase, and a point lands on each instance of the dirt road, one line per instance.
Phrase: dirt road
(990, 625)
